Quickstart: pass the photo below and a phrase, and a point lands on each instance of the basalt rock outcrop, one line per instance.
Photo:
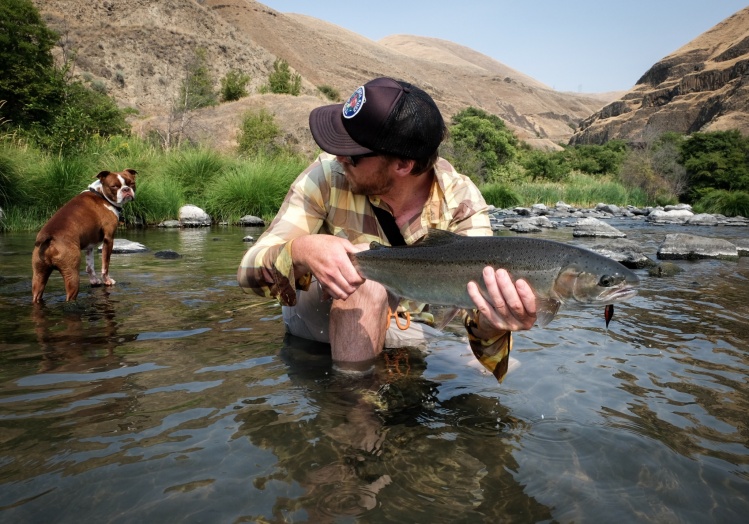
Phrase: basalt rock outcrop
(703, 86)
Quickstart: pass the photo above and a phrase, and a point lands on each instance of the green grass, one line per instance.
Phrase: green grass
(729, 203)
(33, 184)
(256, 187)
(579, 190)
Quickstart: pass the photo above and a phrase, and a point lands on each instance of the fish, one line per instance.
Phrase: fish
(436, 271)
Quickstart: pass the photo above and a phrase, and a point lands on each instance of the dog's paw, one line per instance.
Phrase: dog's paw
(109, 282)
(95, 281)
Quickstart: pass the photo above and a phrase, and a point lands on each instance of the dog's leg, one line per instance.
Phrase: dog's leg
(71, 277)
(106, 253)
(90, 269)
(41, 272)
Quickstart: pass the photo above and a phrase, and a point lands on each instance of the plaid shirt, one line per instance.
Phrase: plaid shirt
(320, 201)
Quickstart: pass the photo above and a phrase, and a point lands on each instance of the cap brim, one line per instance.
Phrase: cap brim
(326, 125)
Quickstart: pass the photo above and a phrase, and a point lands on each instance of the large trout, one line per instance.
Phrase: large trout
(437, 269)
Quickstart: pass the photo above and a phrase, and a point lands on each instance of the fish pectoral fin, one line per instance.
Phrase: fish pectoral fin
(546, 310)
(443, 315)
(393, 300)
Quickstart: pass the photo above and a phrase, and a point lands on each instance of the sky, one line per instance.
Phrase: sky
(587, 46)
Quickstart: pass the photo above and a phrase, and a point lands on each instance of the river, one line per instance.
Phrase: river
(175, 397)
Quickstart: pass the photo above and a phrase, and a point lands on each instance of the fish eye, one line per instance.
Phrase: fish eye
(607, 281)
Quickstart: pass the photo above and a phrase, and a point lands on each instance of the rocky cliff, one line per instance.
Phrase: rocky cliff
(703, 86)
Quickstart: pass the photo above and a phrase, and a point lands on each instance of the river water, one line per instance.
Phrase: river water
(174, 397)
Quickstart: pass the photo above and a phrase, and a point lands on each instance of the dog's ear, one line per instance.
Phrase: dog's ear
(131, 171)
(102, 175)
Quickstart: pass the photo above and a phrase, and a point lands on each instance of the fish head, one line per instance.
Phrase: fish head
(605, 285)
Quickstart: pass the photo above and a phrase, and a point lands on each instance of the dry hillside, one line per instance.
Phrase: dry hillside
(703, 86)
(139, 50)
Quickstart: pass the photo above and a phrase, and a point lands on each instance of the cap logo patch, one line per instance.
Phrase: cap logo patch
(354, 104)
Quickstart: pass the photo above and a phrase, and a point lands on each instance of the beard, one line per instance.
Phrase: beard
(378, 182)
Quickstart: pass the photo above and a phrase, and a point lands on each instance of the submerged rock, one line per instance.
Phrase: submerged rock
(665, 269)
(627, 252)
(122, 245)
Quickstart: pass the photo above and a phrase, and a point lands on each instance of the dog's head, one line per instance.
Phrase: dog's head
(118, 187)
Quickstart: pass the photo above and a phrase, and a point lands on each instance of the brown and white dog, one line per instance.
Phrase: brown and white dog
(88, 219)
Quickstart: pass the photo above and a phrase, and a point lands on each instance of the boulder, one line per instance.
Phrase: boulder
(627, 252)
(167, 254)
(592, 227)
(170, 224)
(702, 219)
(251, 221)
(193, 216)
(122, 245)
(682, 246)
(675, 216)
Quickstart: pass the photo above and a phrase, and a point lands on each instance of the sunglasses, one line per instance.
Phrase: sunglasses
(354, 159)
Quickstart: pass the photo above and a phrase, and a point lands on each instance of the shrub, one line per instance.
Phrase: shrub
(158, 197)
(729, 203)
(483, 137)
(196, 90)
(282, 80)
(258, 134)
(195, 169)
(500, 196)
(330, 92)
(234, 85)
(257, 186)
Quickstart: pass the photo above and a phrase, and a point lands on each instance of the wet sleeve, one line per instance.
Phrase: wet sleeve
(493, 353)
(267, 268)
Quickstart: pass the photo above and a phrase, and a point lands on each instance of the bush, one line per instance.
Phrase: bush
(158, 197)
(196, 90)
(330, 93)
(717, 160)
(84, 114)
(282, 80)
(501, 196)
(547, 166)
(195, 169)
(258, 134)
(234, 85)
(728, 203)
(478, 137)
(256, 187)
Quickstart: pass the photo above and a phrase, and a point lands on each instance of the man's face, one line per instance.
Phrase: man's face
(368, 175)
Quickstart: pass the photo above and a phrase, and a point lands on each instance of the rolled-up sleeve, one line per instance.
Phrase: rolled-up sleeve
(267, 268)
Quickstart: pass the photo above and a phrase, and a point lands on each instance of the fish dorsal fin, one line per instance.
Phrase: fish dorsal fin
(546, 310)
(376, 245)
(436, 237)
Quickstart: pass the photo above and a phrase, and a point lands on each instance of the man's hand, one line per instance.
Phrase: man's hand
(508, 307)
(326, 257)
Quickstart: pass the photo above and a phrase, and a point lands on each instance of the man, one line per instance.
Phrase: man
(381, 157)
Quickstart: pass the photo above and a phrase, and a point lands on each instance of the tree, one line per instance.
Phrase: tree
(197, 86)
(29, 82)
(258, 133)
(487, 136)
(234, 85)
(716, 160)
(282, 80)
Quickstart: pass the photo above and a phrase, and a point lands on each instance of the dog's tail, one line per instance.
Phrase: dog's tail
(42, 243)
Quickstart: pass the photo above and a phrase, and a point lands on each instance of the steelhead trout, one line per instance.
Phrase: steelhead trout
(437, 269)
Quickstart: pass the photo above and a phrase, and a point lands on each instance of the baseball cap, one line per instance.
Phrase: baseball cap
(384, 116)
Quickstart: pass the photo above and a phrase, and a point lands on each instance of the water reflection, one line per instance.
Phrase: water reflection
(173, 396)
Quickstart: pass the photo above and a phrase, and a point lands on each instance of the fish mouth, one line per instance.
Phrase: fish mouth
(617, 295)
